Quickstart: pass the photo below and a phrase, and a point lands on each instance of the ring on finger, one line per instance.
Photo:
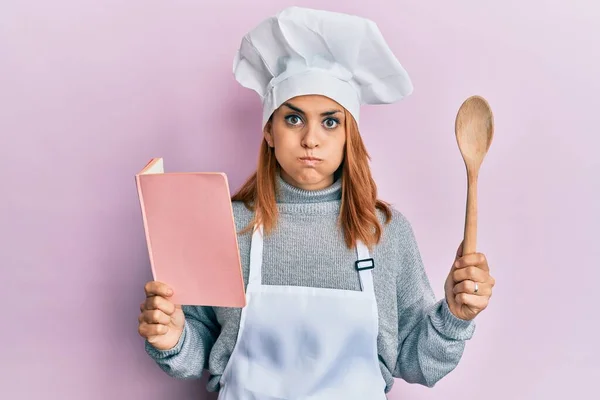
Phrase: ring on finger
(476, 288)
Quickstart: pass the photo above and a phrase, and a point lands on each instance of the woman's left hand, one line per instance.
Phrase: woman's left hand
(469, 285)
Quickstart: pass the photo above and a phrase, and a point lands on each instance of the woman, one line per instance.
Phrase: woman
(338, 300)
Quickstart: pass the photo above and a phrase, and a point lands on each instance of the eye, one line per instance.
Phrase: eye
(293, 120)
(331, 123)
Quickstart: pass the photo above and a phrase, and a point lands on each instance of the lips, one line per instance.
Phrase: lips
(310, 159)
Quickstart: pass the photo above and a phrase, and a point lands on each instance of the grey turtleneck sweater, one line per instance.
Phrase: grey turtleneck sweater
(419, 341)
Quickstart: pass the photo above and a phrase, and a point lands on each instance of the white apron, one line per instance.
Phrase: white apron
(305, 343)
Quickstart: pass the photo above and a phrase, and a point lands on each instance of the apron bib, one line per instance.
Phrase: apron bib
(305, 343)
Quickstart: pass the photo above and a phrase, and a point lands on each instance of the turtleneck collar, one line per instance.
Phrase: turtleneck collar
(291, 199)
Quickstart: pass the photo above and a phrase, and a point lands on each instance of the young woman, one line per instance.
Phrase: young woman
(338, 300)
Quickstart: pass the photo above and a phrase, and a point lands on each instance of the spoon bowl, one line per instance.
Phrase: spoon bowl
(474, 129)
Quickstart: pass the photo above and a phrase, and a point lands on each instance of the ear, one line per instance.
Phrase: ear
(268, 133)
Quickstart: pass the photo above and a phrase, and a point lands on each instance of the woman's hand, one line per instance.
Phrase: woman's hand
(160, 322)
(469, 285)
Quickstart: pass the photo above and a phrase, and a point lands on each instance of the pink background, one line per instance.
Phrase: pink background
(90, 90)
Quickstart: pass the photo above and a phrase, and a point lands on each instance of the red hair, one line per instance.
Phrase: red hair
(358, 218)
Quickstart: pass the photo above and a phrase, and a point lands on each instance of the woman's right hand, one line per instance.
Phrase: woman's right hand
(160, 322)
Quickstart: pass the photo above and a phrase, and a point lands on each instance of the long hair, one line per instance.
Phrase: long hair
(358, 217)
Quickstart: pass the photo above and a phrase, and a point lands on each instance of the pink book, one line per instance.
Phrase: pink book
(191, 236)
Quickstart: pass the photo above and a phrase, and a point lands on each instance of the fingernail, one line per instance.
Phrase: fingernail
(169, 292)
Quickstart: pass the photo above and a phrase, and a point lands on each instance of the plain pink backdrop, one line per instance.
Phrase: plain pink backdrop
(90, 90)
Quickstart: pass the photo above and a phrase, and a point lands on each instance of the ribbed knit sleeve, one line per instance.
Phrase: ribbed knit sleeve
(431, 339)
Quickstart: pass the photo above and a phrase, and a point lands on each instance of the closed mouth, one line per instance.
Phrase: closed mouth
(310, 159)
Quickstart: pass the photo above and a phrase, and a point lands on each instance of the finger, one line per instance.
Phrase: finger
(459, 251)
(476, 259)
(468, 286)
(159, 303)
(473, 301)
(156, 317)
(155, 288)
(143, 319)
(471, 273)
(148, 330)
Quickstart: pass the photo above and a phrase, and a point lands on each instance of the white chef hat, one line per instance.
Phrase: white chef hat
(303, 51)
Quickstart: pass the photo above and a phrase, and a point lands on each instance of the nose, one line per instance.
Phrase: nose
(310, 139)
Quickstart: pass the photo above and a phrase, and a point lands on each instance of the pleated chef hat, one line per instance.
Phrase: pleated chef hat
(303, 51)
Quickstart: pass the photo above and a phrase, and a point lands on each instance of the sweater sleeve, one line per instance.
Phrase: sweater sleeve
(431, 338)
(189, 357)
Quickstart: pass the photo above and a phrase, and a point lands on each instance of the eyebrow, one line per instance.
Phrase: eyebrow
(323, 114)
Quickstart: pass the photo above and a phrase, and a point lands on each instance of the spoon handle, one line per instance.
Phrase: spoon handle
(470, 234)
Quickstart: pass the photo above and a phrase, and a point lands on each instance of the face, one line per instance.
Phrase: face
(308, 136)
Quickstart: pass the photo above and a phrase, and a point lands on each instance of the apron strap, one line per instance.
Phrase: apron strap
(256, 257)
(364, 265)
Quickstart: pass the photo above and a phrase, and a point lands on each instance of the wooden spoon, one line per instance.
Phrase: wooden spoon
(474, 129)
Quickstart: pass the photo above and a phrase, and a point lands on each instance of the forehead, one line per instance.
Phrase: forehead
(314, 103)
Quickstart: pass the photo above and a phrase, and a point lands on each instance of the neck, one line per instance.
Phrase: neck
(306, 186)
(287, 193)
